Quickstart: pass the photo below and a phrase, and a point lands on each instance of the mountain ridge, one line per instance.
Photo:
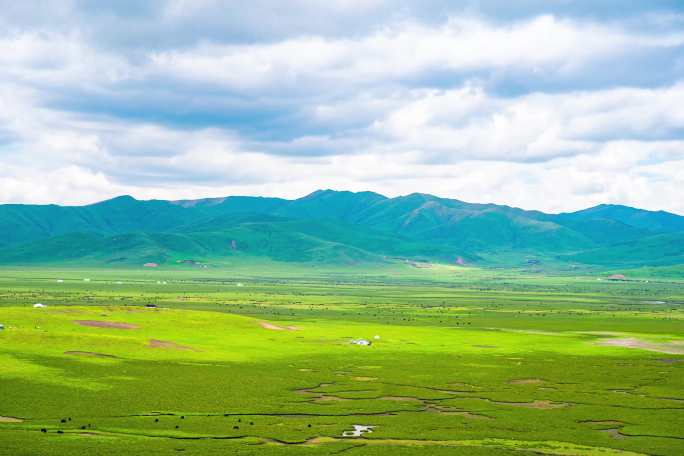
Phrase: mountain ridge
(330, 225)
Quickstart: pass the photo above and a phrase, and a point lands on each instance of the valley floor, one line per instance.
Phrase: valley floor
(260, 361)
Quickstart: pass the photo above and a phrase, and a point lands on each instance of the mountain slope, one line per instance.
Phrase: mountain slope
(227, 236)
(24, 223)
(330, 205)
(657, 250)
(333, 226)
(473, 226)
(653, 221)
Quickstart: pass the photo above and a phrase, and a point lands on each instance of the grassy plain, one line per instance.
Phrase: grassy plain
(256, 359)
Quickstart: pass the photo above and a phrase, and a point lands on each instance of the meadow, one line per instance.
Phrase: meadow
(258, 359)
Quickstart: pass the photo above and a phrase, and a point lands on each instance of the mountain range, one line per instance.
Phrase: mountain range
(336, 227)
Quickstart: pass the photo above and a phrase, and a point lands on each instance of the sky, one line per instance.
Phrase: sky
(554, 105)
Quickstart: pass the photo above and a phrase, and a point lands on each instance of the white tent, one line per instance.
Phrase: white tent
(361, 342)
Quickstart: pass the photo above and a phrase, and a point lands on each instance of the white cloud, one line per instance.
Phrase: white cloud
(57, 60)
(460, 143)
(68, 184)
(467, 124)
(485, 110)
(407, 50)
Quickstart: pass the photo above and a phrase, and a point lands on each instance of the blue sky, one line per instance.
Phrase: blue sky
(554, 105)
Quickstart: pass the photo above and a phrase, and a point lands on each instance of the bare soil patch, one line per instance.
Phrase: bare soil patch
(445, 410)
(87, 353)
(155, 343)
(272, 327)
(474, 416)
(610, 427)
(329, 398)
(442, 409)
(672, 348)
(527, 381)
(401, 399)
(105, 324)
(614, 433)
(10, 419)
(671, 360)
(544, 405)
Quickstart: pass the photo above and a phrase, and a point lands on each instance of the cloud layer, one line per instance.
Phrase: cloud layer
(538, 107)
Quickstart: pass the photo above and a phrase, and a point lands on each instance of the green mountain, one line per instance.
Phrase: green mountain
(337, 227)
(331, 205)
(658, 250)
(472, 226)
(654, 222)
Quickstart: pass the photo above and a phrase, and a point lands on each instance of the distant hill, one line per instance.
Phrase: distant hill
(657, 250)
(334, 227)
(655, 222)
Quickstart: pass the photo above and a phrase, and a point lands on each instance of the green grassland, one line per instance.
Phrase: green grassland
(255, 358)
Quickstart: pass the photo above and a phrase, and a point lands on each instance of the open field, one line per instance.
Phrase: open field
(258, 360)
